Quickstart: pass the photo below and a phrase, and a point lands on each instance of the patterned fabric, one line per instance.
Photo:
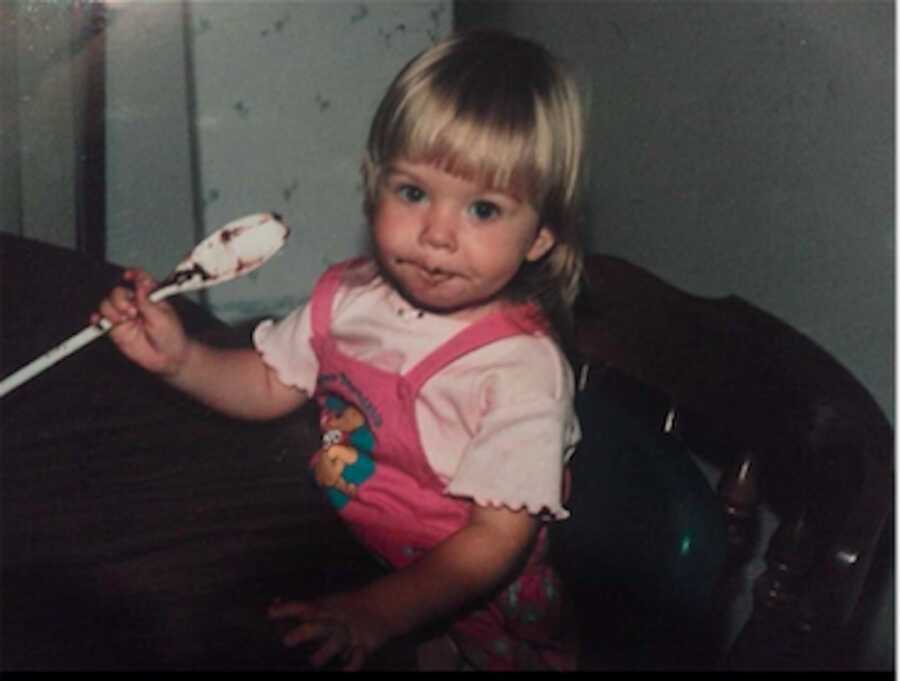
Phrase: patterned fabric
(521, 629)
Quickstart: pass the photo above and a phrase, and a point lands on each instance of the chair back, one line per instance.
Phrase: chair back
(787, 432)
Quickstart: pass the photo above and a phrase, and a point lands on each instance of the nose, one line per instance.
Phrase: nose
(439, 228)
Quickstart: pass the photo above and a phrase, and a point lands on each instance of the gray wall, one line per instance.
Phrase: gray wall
(42, 69)
(219, 109)
(743, 148)
(150, 218)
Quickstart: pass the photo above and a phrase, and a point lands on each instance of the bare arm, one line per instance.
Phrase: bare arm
(236, 382)
(466, 566)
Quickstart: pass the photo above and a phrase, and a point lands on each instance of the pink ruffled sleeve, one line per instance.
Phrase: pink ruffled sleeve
(528, 432)
(285, 346)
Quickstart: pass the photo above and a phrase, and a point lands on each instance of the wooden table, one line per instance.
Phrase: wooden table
(140, 530)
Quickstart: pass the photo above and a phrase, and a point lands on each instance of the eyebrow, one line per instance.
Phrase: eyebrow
(391, 171)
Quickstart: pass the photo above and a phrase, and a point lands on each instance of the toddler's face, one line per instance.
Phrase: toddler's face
(452, 245)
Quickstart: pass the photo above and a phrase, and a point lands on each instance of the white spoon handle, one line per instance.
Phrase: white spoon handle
(51, 357)
(66, 348)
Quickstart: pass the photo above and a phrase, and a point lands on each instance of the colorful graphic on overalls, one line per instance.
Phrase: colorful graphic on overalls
(345, 460)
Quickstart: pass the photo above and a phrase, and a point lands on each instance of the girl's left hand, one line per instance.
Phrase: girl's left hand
(341, 624)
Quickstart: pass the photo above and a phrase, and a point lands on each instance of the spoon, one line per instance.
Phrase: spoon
(232, 251)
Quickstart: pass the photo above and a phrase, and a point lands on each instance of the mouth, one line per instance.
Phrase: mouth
(431, 275)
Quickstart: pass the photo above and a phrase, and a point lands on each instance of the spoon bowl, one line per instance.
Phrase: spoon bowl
(231, 251)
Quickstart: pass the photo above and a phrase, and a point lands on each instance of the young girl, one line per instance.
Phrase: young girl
(446, 399)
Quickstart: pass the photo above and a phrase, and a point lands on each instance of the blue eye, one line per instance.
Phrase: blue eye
(484, 210)
(410, 193)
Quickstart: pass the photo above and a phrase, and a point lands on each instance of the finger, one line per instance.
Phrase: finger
(308, 631)
(154, 313)
(357, 657)
(134, 274)
(285, 609)
(336, 644)
(143, 282)
(119, 306)
(140, 284)
(131, 274)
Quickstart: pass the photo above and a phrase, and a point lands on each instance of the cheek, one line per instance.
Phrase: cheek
(498, 262)
(508, 248)
(381, 223)
(389, 217)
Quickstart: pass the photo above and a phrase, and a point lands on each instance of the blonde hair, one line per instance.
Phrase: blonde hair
(498, 109)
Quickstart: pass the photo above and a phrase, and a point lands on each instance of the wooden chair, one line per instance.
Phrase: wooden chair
(653, 555)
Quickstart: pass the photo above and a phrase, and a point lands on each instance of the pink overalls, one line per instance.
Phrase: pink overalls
(374, 471)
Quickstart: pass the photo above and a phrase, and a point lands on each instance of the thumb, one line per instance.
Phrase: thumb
(152, 312)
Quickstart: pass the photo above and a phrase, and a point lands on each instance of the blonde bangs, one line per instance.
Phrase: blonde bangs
(509, 156)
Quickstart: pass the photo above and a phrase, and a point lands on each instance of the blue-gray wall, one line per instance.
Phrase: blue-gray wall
(745, 148)
(219, 109)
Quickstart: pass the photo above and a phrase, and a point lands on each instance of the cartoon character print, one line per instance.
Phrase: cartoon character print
(345, 460)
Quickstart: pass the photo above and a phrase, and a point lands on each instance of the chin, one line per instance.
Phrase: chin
(443, 303)
(467, 309)
(428, 303)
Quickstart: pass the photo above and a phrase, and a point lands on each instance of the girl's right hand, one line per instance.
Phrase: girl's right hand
(150, 334)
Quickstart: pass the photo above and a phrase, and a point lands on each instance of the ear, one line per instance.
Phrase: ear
(543, 242)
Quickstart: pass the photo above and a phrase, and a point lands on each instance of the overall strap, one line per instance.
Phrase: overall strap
(322, 298)
(504, 323)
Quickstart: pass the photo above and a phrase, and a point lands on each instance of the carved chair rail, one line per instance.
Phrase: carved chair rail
(790, 429)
